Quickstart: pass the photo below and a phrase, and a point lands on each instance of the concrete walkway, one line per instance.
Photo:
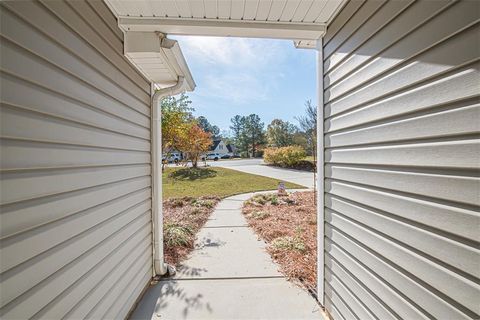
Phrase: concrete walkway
(229, 275)
(256, 166)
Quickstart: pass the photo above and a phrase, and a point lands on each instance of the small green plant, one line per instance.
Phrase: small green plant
(274, 200)
(177, 235)
(195, 211)
(177, 202)
(260, 215)
(289, 243)
(289, 201)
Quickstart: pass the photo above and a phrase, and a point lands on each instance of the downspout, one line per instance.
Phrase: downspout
(320, 178)
(159, 266)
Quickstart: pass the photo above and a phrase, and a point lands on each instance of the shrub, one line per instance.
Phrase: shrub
(207, 203)
(284, 156)
(177, 235)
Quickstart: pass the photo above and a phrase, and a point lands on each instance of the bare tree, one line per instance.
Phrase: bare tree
(308, 124)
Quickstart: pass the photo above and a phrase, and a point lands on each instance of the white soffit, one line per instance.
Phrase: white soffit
(158, 58)
(277, 19)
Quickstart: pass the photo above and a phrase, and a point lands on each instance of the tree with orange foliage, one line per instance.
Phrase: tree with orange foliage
(194, 142)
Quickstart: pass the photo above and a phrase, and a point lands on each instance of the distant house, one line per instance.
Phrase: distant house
(219, 146)
(232, 150)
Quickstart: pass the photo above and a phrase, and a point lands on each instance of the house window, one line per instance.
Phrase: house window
(220, 147)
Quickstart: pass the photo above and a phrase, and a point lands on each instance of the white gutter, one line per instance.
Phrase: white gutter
(159, 266)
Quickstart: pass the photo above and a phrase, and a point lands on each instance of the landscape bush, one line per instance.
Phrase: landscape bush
(284, 156)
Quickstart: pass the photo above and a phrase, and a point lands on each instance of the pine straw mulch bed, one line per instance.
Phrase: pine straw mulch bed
(288, 224)
(182, 219)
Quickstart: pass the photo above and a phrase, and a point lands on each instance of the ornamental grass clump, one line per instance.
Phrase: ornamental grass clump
(177, 235)
(260, 215)
(289, 243)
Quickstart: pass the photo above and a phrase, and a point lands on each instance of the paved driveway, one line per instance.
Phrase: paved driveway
(256, 166)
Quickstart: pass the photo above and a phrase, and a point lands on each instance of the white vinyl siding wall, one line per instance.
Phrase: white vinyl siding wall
(75, 158)
(402, 157)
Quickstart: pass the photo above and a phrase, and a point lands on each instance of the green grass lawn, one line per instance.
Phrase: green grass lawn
(222, 182)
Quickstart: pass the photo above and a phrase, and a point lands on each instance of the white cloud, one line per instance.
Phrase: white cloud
(232, 52)
(236, 88)
(236, 70)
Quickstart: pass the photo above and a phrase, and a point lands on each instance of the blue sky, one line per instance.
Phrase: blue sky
(242, 76)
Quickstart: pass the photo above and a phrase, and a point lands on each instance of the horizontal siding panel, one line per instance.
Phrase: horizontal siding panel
(356, 21)
(84, 10)
(430, 62)
(81, 308)
(460, 289)
(339, 303)
(116, 263)
(454, 220)
(89, 34)
(75, 149)
(371, 26)
(29, 38)
(41, 19)
(24, 246)
(456, 254)
(342, 17)
(444, 25)
(19, 93)
(133, 298)
(20, 63)
(401, 136)
(332, 309)
(386, 280)
(458, 121)
(107, 16)
(451, 154)
(50, 264)
(34, 155)
(379, 310)
(63, 278)
(449, 187)
(377, 285)
(117, 297)
(425, 66)
(28, 185)
(38, 212)
(450, 89)
(396, 35)
(128, 297)
(355, 305)
(28, 125)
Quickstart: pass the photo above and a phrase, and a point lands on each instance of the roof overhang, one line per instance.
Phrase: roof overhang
(146, 22)
(158, 58)
(221, 28)
(303, 21)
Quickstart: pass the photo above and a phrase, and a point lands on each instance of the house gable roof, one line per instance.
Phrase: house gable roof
(215, 144)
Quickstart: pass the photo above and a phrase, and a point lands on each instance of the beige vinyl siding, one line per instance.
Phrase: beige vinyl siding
(402, 153)
(75, 228)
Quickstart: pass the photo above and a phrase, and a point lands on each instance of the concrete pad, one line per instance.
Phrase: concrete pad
(226, 218)
(227, 299)
(227, 253)
(228, 204)
(229, 275)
